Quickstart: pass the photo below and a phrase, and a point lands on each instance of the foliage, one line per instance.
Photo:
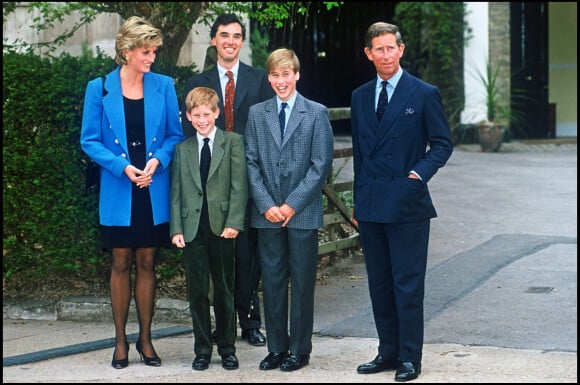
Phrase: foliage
(174, 19)
(180, 74)
(493, 94)
(499, 99)
(259, 45)
(46, 226)
(434, 34)
(50, 222)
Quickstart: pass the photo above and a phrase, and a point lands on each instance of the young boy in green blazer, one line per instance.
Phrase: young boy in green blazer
(206, 218)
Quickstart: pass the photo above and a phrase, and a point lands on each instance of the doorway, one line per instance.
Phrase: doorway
(529, 68)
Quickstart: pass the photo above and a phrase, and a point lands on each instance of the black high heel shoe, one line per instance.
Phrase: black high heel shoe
(149, 361)
(122, 363)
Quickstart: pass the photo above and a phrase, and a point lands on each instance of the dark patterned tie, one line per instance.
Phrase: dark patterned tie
(383, 101)
(229, 102)
(204, 161)
(282, 117)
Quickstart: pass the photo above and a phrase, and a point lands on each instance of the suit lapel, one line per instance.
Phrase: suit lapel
(192, 156)
(212, 79)
(296, 115)
(218, 151)
(271, 116)
(242, 85)
(400, 98)
(369, 114)
(152, 97)
(113, 107)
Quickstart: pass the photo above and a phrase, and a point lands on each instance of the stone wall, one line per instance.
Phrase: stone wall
(18, 26)
(500, 43)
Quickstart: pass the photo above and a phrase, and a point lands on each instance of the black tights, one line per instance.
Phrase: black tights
(120, 285)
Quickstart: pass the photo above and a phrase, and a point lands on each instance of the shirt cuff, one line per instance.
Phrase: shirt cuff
(417, 175)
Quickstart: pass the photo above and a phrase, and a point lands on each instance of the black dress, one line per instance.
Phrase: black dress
(141, 232)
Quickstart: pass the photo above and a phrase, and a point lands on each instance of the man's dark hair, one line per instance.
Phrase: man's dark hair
(225, 19)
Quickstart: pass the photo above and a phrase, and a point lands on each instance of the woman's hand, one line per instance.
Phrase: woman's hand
(151, 166)
(139, 177)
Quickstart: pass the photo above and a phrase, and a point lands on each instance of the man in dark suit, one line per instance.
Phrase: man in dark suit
(400, 139)
(251, 86)
(289, 152)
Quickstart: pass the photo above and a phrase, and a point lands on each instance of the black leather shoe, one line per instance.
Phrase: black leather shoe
(201, 362)
(230, 361)
(379, 364)
(294, 362)
(272, 361)
(123, 362)
(214, 337)
(149, 361)
(254, 337)
(407, 371)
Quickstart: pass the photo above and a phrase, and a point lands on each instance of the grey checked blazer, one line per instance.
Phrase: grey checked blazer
(292, 171)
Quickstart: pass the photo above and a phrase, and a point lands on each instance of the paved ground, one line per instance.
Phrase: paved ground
(501, 301)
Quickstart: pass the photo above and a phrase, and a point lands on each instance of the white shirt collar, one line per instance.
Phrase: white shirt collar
(222, 71)
(211, 137)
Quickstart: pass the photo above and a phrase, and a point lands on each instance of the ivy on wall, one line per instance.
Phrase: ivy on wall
(434, 34)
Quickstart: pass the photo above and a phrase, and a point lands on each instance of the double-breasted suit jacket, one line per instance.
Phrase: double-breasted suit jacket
(293, 170)
(252, 87)
(413, 122)
(226, 186)
(104, 139)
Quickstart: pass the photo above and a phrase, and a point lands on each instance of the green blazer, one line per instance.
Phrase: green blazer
(227, 186)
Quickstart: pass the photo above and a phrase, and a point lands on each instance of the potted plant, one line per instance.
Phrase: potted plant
(491, 130)
(499, 100)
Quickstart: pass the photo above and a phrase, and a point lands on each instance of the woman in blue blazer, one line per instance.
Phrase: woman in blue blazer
(130, 127)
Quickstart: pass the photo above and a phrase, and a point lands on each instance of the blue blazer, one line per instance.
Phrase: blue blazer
(413, 135)
(104, 139)
(292, 171)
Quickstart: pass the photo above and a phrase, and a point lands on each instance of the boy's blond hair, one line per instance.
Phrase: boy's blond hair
(202, 96)
(282, 58)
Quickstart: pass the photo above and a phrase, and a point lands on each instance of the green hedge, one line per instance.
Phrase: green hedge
(50, 222)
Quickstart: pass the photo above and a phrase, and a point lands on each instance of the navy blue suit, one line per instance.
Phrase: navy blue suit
(393, 210)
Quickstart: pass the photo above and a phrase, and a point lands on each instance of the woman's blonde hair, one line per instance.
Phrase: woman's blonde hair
(135, 32)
